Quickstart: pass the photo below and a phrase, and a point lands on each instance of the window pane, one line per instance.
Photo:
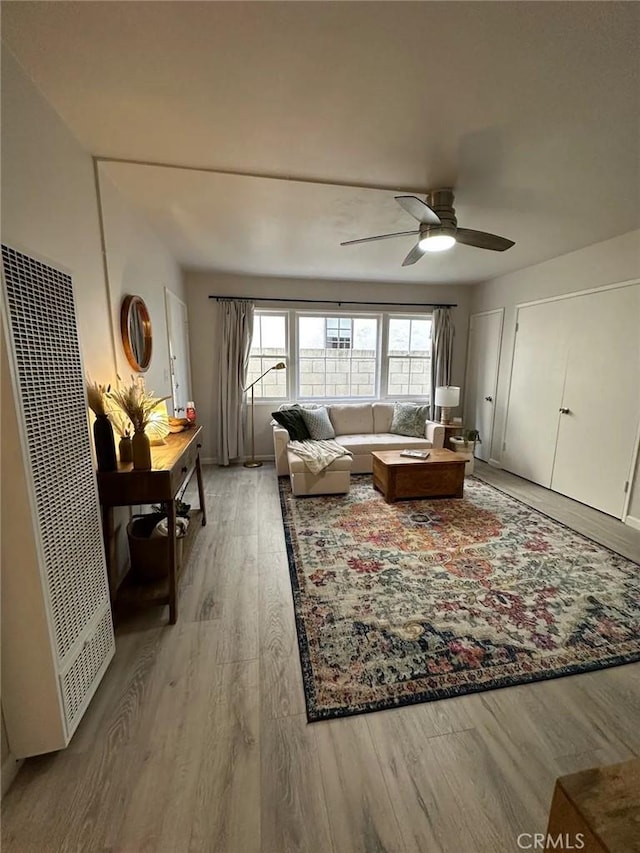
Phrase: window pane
(337, 357)
(311, 332)
(268, 347)
(365, 334)
(274, 384)
(409, 336)
(273, 332)
(399, 336)
(420, 337)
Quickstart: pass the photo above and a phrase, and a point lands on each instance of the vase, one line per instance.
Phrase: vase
(125, 450)
(141, 448)
(104, 443)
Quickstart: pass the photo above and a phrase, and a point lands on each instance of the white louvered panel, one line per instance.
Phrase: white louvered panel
(52, 400)
(77, 682)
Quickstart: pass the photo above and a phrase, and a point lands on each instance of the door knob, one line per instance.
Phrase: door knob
(489, 399)
(564, 410)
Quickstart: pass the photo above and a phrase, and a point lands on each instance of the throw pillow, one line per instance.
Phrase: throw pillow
(409, 419)
(291, 420)
(318, 423)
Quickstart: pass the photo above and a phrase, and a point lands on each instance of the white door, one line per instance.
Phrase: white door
(178, 332)
(535, 395)
(601, 400)
(485, 334)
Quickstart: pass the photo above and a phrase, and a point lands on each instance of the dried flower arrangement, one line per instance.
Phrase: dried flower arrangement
(135, 401)
(120, 421)
(96, 397)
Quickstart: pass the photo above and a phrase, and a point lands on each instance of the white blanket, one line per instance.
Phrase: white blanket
(318, 455)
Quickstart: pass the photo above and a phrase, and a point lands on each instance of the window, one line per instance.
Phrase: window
(409, 357)
(268, 347)
(337, 356)
(340, 356)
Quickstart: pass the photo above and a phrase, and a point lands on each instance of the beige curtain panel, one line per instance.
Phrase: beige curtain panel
(441, 354)
(233, 336)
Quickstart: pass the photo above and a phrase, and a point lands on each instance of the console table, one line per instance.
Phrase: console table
(172, 465)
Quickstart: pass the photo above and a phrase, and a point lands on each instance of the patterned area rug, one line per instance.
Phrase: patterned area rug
(428, 599)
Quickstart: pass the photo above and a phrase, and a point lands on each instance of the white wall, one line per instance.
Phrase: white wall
(609, 262)
(49, 205)
(138, 263)
(202, 315)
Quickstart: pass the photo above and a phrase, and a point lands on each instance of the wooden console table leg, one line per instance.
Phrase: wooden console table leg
(201, 490)
(173, 580)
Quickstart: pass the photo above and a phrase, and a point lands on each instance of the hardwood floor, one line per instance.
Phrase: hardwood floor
(197, 739)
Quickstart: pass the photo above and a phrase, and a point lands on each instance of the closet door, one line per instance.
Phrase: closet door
(535, 395)
(485, 333)
(601, 399)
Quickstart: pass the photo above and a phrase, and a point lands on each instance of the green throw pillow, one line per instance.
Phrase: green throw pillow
(409, 419)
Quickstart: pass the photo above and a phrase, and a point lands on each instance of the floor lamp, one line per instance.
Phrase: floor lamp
(253, 462)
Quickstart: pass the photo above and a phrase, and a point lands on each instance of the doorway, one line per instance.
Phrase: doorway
(178, 334)
(483, 356)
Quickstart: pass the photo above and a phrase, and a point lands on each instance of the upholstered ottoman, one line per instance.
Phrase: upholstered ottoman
(334, 480)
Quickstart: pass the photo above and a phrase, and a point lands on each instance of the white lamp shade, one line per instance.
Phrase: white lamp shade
(447, 395)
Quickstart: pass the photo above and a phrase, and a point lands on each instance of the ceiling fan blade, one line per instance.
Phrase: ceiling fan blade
(419, 209)
(414, 255)
(379, 237)
(482, 240)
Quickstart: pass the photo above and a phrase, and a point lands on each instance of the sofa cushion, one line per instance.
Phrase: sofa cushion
(293, 422)
(297, 464)
(318, 423)
(364, 443)
(382, 417)
(349, 418)
(409, 419)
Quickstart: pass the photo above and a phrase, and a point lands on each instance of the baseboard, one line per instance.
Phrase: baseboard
(9, 771)
(632, 522)
(495, 463)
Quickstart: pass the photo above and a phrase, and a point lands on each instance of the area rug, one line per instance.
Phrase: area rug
(429, 599)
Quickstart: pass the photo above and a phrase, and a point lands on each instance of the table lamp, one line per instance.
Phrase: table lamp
(447, 397)
(252, 462)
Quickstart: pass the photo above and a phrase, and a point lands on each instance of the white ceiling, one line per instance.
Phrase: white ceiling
(530, 110)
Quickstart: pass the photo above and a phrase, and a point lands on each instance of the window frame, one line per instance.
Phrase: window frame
(348, 315)
(274, 312)
(385, 357)
(381, 380)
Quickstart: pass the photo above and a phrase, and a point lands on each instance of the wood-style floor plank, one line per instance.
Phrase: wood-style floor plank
(281, 693)
(197, 738)
(362, 817)
(295, 818)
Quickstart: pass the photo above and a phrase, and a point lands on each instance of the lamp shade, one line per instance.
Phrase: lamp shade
(447, 395)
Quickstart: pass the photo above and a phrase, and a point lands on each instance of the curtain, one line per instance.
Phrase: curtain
(233, 335)
(441, 353)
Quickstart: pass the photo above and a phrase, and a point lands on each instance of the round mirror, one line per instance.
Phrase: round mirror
(135, 328)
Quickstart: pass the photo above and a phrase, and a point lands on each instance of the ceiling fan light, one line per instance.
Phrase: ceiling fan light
(437, 242)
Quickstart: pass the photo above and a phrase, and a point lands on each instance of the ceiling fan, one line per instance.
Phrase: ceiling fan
(438, 228)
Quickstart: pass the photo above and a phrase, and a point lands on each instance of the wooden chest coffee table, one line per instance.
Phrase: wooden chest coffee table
(396, 476)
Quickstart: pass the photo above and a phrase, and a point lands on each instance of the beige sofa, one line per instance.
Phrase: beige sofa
(361, 428)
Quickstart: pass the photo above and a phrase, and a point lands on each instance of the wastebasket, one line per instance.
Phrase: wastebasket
(150, 554)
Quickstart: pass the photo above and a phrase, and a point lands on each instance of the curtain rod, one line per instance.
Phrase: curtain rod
(335, 301)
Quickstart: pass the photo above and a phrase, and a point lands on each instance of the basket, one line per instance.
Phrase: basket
(150, 556)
